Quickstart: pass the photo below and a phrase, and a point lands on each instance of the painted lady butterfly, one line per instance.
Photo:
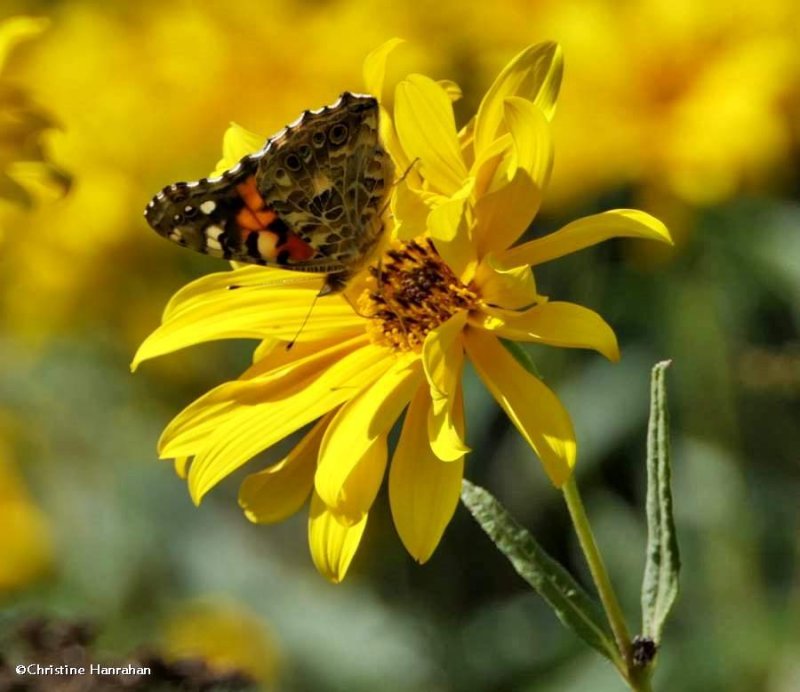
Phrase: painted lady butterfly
(310, 200)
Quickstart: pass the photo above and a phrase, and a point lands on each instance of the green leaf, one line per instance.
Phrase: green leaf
(573, 606)
(522, 357)
(660, 584)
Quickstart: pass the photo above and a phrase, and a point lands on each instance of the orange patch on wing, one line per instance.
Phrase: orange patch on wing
(250, 220)
(247, 220)
(249, 193)
(298, 249)
(265, 217)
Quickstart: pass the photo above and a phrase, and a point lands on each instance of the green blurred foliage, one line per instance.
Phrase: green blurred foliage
(129, 546)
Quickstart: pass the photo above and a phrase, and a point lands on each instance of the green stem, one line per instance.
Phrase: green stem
(638, 680)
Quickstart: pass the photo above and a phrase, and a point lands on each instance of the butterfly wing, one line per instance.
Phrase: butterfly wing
(327, 177)
(226, 217)
(310, 200)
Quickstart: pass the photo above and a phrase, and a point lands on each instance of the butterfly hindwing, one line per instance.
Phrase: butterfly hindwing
(327, 177)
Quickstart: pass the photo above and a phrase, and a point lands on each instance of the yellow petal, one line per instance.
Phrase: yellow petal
(442, 353)
(514, 170)
(361, 487)
(445, 440)
(486, 167)
(556, 323)
(355, 428)
(245, 276)
(511, 288)
(237, 142)
(423, 490)
(250, 427)
(530, 405)
(427, 130)
(271, 359)
(449, 228)
(503, 216)
(376, 84)
(333, 544)
(182, 466)
(452, 89)
(279, 491)
(410, 212)
(375, 68)
(191, 430)
(391, 142)
(265, 348)
(590, 230)
(443, 358)
(533, 142)
(16, 30)
(534, 74)
(466, 139)
(208, 309)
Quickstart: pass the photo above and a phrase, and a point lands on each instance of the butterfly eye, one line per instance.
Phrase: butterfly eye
(338, 134)
(305, 152)
(318, 139)
(293, 163)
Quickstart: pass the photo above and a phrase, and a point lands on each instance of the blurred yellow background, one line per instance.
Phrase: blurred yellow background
(688, 110)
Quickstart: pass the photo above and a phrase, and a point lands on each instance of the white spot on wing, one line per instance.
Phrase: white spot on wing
(208, 206)
(267, 245)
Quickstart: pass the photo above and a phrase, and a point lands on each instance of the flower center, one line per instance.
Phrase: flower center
(412, 291)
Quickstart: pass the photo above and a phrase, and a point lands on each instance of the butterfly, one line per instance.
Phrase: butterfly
(310, 200)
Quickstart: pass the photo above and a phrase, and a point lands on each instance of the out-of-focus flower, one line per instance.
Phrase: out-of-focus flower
(448, 285)
(26, 173)
(689, 100)
(658, 95)
(226, 637)
(143, 93)
(26, 552)
(70, 646)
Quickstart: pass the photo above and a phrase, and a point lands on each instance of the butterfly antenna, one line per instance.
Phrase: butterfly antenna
(407, 171)
(305, 321)
(286, 281)
(397, 182)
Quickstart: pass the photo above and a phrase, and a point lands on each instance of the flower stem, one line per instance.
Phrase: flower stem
(613, 611)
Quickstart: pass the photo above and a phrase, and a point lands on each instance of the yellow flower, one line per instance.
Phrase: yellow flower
(447, 286)
(683, 99)
(179, 72)
(226, 637)
(25, 172)
(25, 542)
